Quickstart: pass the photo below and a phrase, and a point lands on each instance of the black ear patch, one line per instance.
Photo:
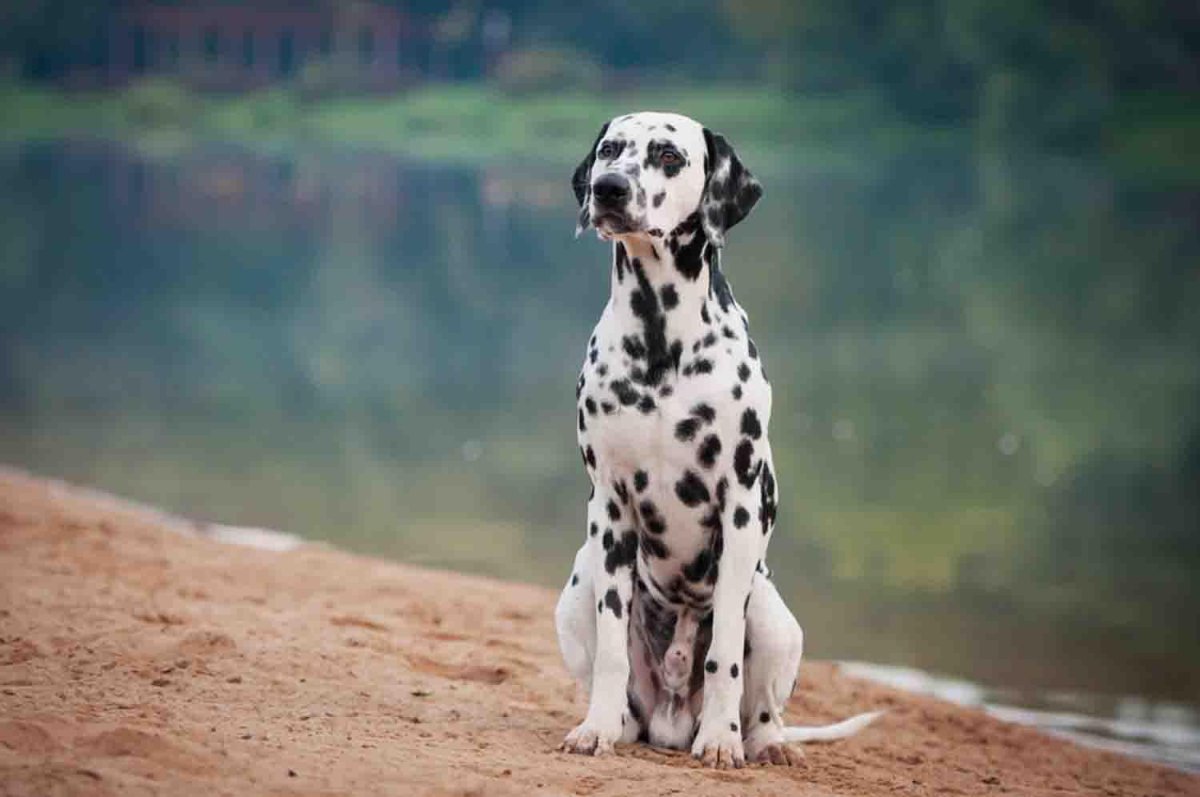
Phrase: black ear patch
(581, 182)
(730, 191)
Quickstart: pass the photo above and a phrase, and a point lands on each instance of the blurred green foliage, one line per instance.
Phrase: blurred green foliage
(462, 122)
(1062, 74)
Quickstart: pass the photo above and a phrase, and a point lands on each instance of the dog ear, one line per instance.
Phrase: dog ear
(730, 191)
(581, 182)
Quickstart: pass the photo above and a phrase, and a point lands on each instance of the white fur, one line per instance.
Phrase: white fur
(829, 733)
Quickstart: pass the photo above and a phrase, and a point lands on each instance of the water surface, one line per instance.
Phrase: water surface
(987, 394)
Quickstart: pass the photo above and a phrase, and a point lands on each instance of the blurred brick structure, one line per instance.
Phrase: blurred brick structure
(236, 47)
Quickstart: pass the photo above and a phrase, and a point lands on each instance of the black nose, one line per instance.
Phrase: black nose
(610, 189)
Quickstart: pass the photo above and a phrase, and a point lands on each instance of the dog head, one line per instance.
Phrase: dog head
(650, 172)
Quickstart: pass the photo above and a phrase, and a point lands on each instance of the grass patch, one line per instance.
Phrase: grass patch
(1148, 139)
(471, 122)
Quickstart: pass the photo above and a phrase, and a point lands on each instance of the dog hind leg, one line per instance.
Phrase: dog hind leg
(774, 645)
(575, 619)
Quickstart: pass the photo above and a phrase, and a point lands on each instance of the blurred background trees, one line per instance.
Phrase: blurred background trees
(1054, 70)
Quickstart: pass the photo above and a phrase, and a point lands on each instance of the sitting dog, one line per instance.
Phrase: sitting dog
(669, 620)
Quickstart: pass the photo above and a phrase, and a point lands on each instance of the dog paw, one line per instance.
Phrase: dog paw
(765, 745)
(719, 747)
(780, 754)
(589, 739)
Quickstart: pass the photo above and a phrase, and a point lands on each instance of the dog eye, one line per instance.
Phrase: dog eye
(607, 150)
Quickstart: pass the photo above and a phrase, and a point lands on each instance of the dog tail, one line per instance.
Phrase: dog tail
(828, 733)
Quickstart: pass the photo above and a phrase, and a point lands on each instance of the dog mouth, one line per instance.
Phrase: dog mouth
(613, 222)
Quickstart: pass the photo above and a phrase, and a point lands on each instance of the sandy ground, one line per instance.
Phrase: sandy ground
(137, 660)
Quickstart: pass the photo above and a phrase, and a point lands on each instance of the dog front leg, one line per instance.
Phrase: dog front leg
(718, 741)
(610, 531)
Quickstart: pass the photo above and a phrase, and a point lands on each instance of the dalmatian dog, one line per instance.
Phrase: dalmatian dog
(669, 620)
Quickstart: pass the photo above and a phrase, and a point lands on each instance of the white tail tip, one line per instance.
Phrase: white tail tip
(828, 733)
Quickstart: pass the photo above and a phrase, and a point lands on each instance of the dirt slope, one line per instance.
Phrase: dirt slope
(137, 660)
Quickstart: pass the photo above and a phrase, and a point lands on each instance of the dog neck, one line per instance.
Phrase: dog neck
(668, 279)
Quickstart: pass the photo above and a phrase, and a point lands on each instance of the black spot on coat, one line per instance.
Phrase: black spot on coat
(722, 490)
(613, 601)
(750, 425)
(654, 546)
(709, 450)
(689, 257)
(769, 508)
(743, 463)
(691, 490)
(697, 570)
(623, 553)
(651, 517)
(624, 392)
(685, 430)
(633, 347)
(648, 510)
(719, 288)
